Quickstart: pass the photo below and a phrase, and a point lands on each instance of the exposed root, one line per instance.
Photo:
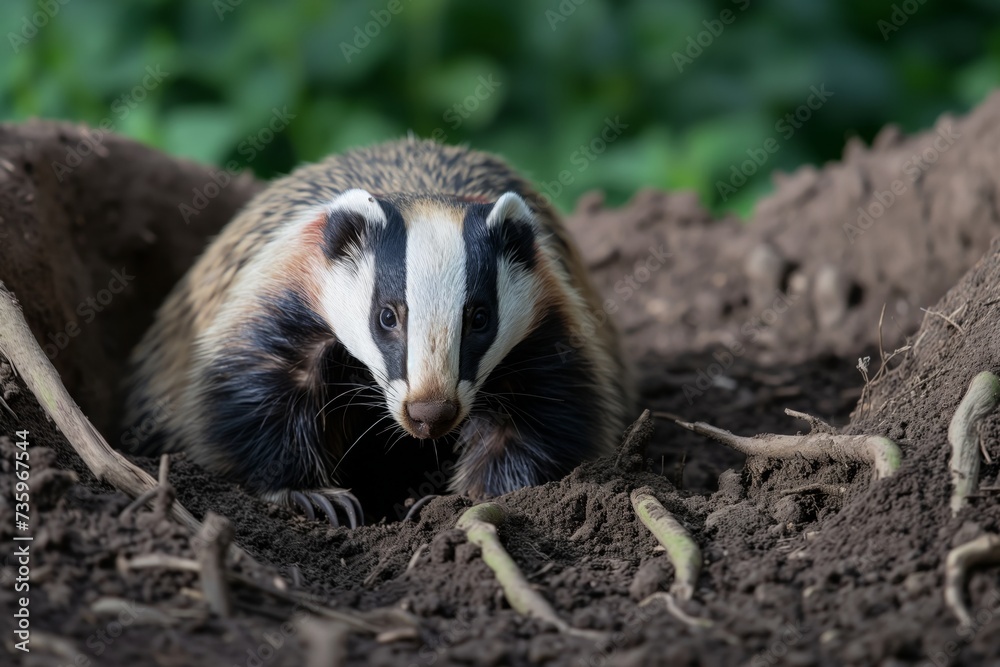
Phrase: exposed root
(683, 552)
(882, 453)
(19, 346)
(632, 450)
(676, 611)
(828, 489)
(985, 549)
(816, 425)
(479, 523)
(692, 621)
(963, 434)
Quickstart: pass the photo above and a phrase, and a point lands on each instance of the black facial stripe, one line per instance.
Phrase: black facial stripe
(389, 247)
(513, 239)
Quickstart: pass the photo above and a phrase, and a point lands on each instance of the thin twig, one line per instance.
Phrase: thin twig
(947, 318)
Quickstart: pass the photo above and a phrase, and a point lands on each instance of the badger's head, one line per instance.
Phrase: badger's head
(430, 294)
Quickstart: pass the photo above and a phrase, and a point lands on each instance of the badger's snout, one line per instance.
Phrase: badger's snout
(430, 419)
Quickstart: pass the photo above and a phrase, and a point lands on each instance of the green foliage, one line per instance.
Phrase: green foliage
(562, 68)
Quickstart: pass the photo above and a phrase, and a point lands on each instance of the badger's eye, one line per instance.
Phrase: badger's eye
(387, 318)
(480, 319)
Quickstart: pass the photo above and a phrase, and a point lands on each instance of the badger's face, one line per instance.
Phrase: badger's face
(430, 294)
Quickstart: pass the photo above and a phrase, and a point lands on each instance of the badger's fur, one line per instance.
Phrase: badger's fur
(391, 294)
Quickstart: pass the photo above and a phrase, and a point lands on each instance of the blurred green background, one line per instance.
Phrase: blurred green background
(562, 69)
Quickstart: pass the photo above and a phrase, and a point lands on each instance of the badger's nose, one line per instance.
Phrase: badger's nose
(431, 419)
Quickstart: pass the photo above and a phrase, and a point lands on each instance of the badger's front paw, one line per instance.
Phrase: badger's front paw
(344, 500)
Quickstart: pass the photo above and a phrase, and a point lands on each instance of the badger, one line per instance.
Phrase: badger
(391, 312)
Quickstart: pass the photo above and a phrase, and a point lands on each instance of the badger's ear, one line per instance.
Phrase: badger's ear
(349, 217)
(515, 226)
(511, 208)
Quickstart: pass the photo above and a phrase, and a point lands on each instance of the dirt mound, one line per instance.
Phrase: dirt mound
(92, 237)
(895, 224)
(805, 562)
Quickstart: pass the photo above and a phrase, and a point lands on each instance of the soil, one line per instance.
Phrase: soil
(806, 563)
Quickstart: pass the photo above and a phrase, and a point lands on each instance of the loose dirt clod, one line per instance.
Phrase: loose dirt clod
(881, 452)
(963, 435)
(985, 549)
(682, 551)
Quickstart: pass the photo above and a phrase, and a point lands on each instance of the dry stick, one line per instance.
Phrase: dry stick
(963, 434)
(163, 492)
(984, 549)
(19, 346)
(879, 451)
(215, 535)
(683, 552)
(170, 562)
(479, 523)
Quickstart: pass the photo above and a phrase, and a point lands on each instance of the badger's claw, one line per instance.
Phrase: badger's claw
(349, 505)
(414, 512)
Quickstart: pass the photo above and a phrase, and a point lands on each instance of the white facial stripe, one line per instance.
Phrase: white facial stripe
(435, 298)
(395, 394)
(516, 288)
(348, 289)
(346, 305)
